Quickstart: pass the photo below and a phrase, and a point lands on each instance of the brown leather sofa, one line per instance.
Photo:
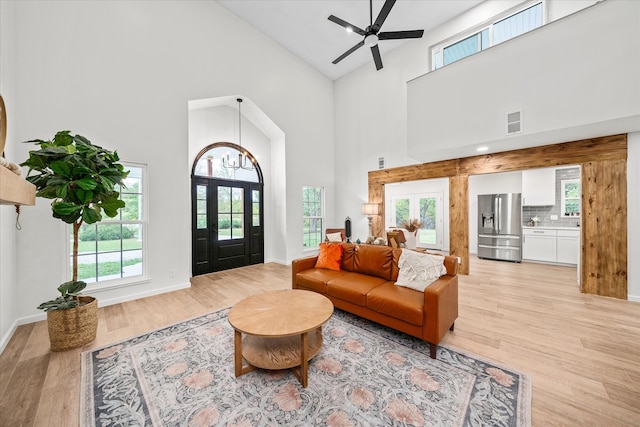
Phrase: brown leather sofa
(365, 286)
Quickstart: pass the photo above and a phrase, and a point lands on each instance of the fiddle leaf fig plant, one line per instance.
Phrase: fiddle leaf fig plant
(83, 180)
(69, 291)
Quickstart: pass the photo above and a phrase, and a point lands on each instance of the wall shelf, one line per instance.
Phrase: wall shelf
(15, 190)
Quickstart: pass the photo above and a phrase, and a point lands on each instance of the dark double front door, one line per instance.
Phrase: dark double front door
(227, 218)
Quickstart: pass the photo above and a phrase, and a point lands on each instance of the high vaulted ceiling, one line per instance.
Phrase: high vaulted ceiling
(302, 27)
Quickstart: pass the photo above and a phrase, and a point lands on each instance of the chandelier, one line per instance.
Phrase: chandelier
(244, 161)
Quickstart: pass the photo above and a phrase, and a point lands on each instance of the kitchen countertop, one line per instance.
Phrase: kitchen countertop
(551, 227)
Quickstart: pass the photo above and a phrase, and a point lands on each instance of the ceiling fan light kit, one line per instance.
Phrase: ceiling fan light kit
(372, 33)
(371, 40)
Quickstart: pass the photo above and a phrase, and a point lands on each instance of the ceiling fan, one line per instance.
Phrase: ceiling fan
(372, 33)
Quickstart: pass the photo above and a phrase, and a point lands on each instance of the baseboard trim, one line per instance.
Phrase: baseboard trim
(634, 298)
(150, 293)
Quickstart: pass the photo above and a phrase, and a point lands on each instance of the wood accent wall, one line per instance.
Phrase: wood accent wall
(604, 201)
(604, 236)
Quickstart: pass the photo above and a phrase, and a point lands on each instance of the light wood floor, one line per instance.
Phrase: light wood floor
(582, 351)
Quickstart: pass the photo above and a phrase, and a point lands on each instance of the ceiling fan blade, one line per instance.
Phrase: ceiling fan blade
(394, 35)
(376, 57)
(349, 52)
(345, 24)
(384, 12)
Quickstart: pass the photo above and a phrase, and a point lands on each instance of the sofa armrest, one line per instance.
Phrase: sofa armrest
(451, 264)
(440, 307)
(301, 264)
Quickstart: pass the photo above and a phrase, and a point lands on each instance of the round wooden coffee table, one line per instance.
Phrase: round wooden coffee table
(283, 329)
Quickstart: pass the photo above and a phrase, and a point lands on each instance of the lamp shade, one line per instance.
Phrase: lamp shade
(371, 209)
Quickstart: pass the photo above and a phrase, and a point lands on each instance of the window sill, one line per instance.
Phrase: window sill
(98, 287)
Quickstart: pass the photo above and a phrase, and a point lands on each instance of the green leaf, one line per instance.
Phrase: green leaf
(81, 170)
(91, 215)
(111, 205)
(61, 192)
(84, 196)
(48, 192)
(72, 287)
(63, 138)
(63, 208)
(87, 183)
(61, 168)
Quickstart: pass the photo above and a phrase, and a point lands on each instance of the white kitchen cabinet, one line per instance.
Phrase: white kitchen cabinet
(539, 245)
(555, 245)
(539, 187)
(568, 246)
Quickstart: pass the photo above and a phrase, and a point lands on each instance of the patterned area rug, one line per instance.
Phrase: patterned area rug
(364, 375)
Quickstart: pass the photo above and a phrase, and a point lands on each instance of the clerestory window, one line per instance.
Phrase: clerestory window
(480, 38)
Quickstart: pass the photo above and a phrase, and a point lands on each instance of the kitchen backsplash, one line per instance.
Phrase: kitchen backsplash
(545, 212)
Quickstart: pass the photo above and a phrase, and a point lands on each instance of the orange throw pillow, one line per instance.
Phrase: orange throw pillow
(330, 256)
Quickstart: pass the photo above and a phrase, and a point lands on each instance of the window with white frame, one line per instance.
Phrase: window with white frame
(500, 29)
(114, 248)
(570, 197)
(313, 213)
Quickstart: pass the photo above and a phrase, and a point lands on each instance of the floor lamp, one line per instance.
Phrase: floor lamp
(370, 209)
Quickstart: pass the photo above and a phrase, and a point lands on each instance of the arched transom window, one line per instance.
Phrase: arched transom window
(225, 160)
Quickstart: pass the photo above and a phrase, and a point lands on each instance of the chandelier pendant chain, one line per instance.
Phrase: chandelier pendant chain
(244, 162)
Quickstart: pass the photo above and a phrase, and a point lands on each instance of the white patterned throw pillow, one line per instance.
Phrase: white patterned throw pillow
(334, 237)
(417, 270)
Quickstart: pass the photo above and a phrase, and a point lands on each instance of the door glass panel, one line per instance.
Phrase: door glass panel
(255, 208)
(224, 226)
(237, 213)
(201, 208)
(400, 211)
(427, 234)
(224, 199)
(230, 213)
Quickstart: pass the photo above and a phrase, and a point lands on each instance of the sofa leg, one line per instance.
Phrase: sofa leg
(452, 325)
(432, 350)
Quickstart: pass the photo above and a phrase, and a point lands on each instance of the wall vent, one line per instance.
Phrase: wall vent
(514, 122)
(380, 162)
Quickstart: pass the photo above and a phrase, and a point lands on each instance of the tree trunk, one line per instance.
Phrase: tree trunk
(76, 228)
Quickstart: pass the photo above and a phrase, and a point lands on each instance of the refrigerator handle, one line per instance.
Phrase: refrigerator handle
(498, 214)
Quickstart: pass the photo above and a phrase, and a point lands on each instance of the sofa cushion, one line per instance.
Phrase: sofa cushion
(330, 256)
(316, 278)
(352, 287)
(399, 302)
(374, 261)
(419, 270)
(348, 256)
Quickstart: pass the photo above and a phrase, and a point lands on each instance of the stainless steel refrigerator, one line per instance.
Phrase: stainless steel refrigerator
(500, 226)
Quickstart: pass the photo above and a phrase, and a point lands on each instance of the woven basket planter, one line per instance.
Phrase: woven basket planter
(74, 327)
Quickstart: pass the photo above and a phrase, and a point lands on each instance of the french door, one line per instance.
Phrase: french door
(426, 207)
(227, 218)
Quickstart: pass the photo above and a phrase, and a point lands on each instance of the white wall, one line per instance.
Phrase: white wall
(592, 88)
(122, 73)
(491, 183)
(9, 291)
